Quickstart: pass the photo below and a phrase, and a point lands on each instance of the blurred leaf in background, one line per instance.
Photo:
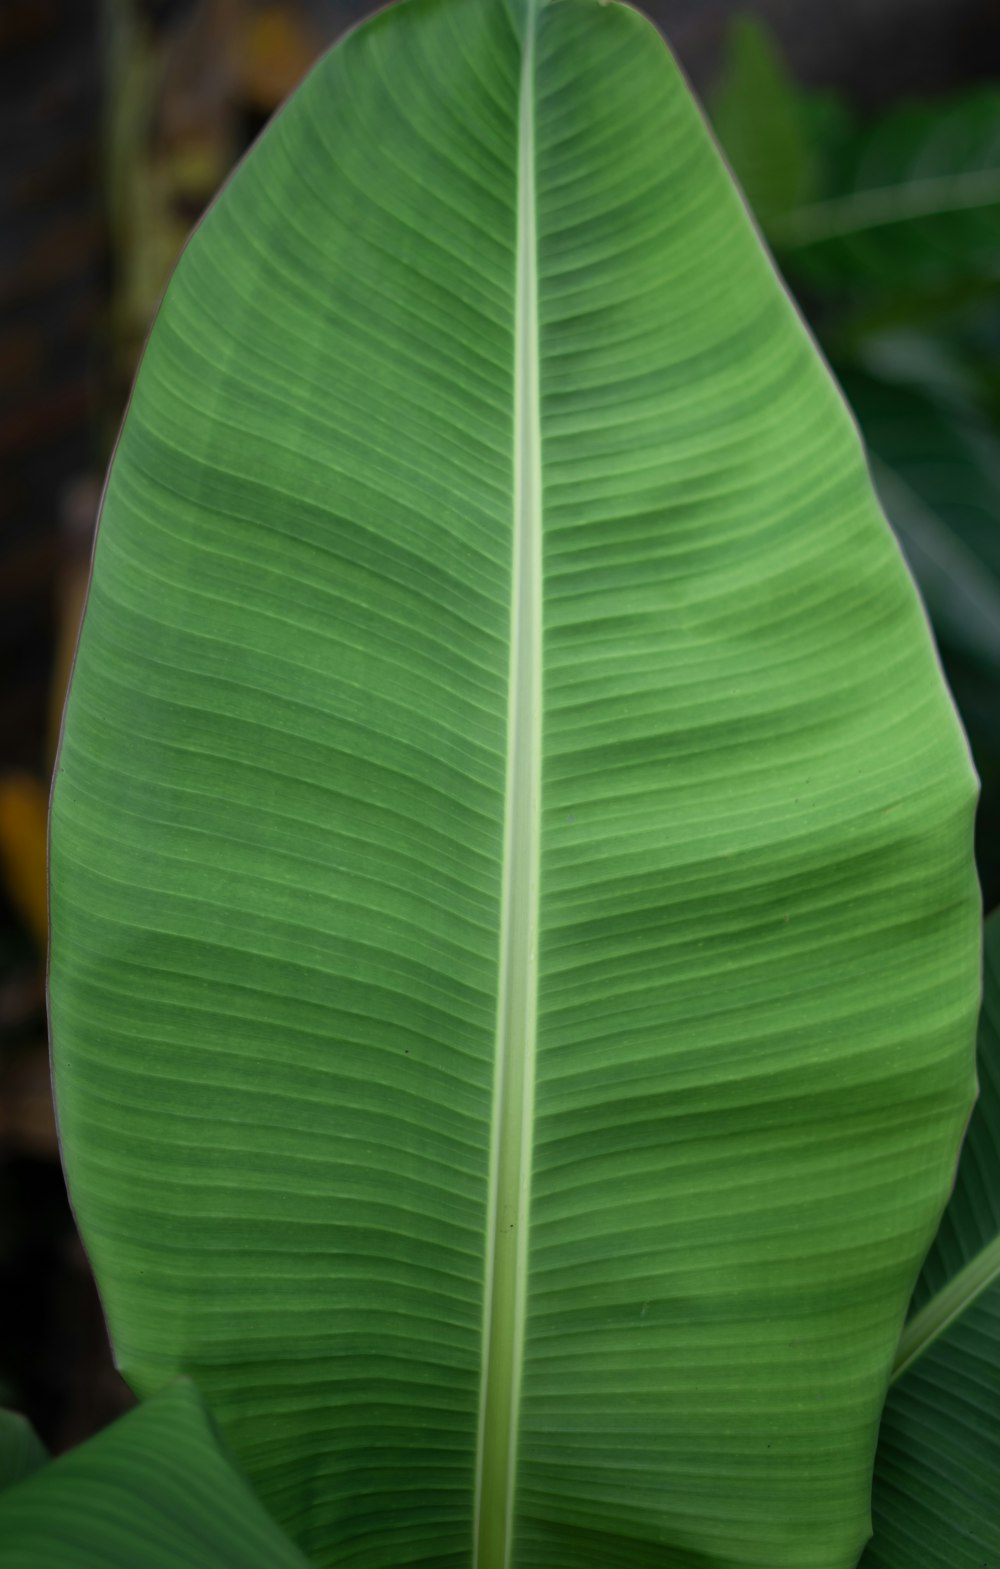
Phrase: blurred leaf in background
(914, 202)
(888, 232)
(935, 1495)
(759, 117)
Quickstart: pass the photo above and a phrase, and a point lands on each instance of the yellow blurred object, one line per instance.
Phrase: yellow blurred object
(24, 810)
(277, 49)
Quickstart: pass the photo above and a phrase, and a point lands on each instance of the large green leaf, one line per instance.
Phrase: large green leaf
(154, 1491)
(936, 1499)
(514, 950)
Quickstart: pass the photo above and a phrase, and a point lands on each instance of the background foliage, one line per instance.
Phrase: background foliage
(886, 230)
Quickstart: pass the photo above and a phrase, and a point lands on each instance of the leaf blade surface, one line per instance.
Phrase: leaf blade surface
(282, 812)
(156, 1488)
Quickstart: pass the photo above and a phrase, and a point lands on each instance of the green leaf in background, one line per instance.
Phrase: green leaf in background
(936, 1479)
(936, 462)
(961, 595)
(937, 466)
(21, 1450)
(757, 116)
(917, 203)
(153, 1491)
(514, 936)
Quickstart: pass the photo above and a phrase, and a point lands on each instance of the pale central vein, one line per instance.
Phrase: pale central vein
(510, 1174)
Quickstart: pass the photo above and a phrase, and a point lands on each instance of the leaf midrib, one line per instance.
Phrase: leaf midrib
(510, 1162)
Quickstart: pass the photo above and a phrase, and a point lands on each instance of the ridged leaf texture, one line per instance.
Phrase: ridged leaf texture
(157, 1490)
(514, 957)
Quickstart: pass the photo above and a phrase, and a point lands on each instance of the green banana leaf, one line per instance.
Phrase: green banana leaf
(21, 1450)
(153, 1491)
(936, 1494)
(514, 935)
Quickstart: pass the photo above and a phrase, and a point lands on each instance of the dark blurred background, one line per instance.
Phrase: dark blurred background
(867, 138)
